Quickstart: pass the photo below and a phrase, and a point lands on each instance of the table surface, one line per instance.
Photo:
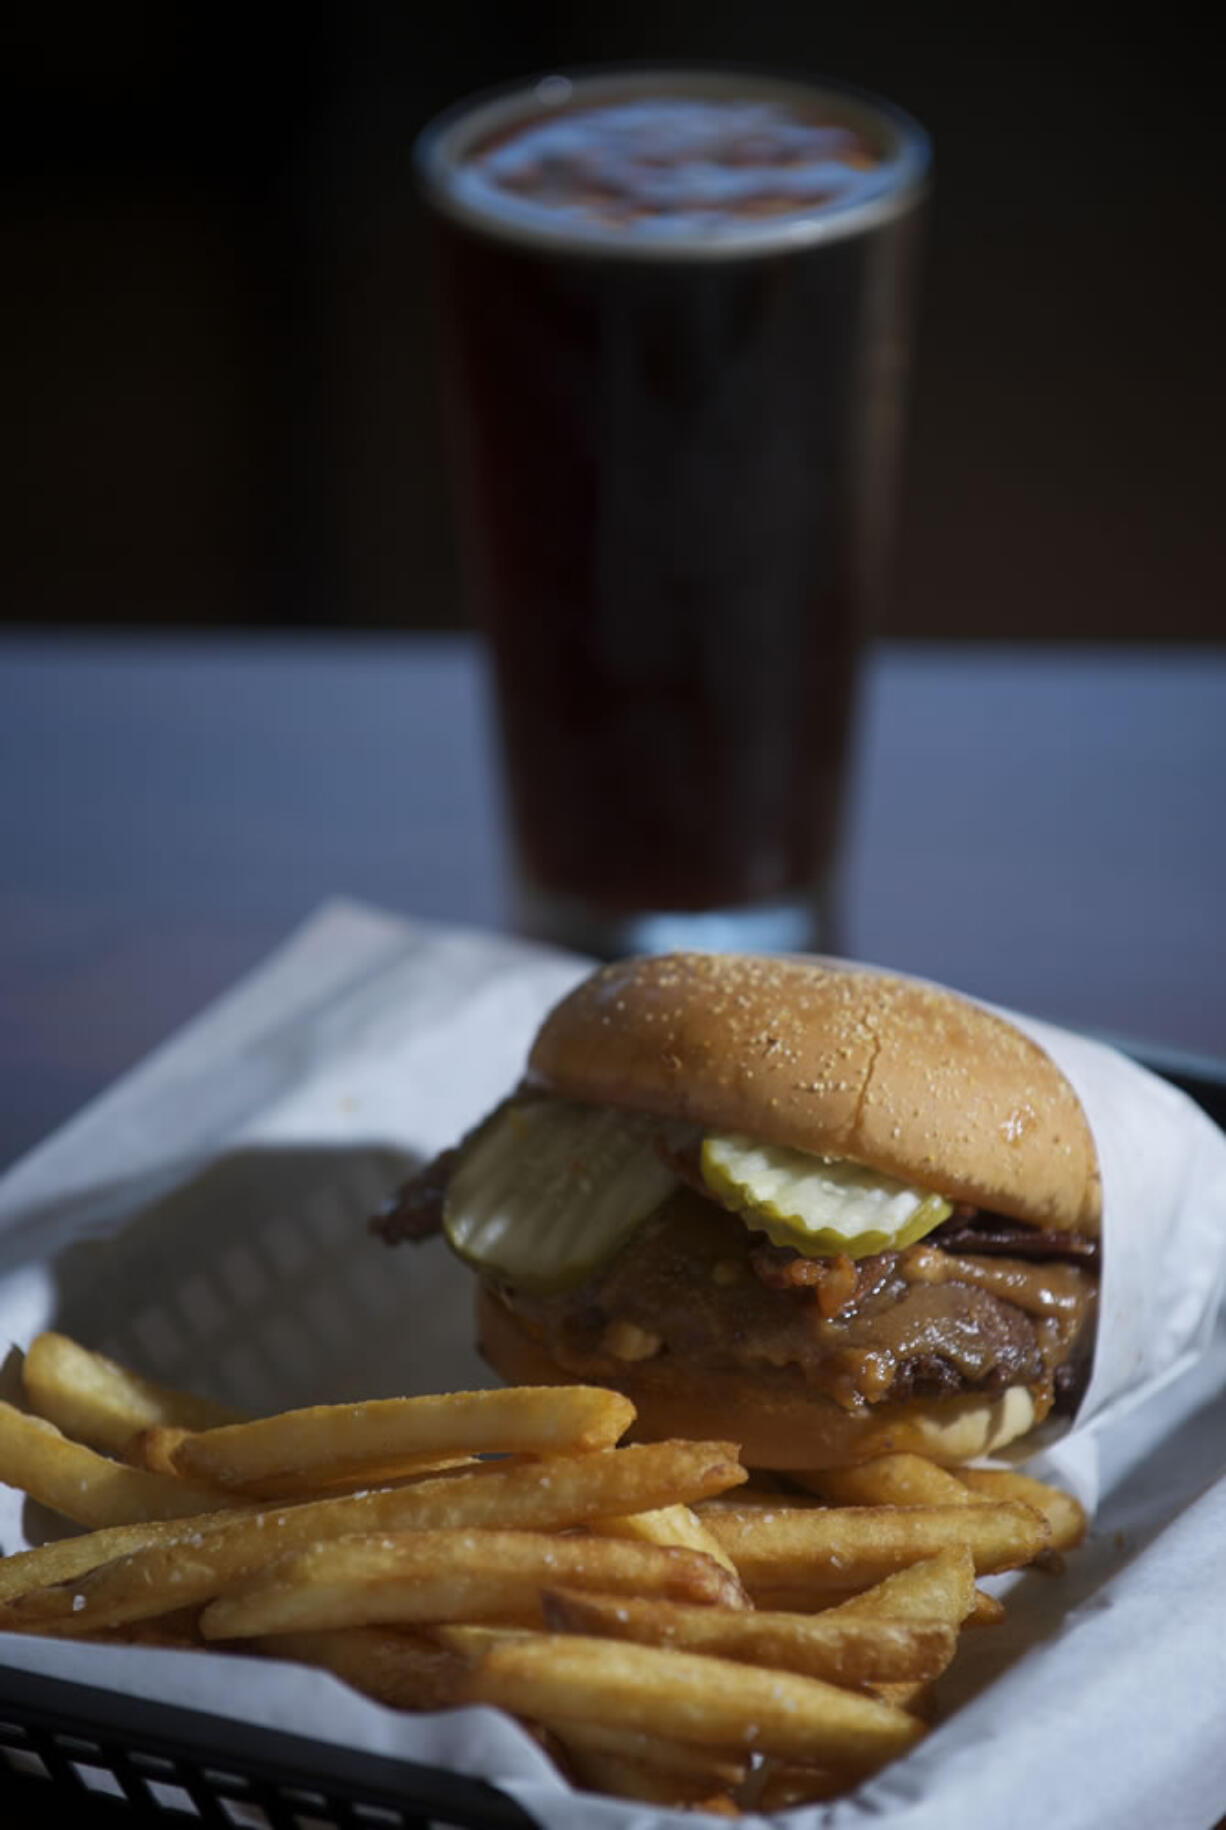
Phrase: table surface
(1039, 826)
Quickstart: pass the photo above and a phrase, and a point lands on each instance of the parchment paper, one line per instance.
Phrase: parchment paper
(204, 1221)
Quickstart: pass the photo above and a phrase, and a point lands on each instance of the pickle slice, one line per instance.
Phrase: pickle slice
(818, 1205)
(546, 1191)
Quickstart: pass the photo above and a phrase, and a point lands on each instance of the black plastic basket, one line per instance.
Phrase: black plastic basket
(84, 1755)
(75, 1754)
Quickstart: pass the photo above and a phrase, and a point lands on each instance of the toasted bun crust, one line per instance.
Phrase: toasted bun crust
(900, 1075)
(776, 1420)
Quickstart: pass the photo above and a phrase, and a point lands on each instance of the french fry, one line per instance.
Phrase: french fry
(403, 1670)
(941, 1587)
(86, 1487)
(669, 1525)
(64, 1559)
(890, 1480)
(784, 1785)
(935, 1588)
(913, 1480)
(597, 1769)
(824, 1549)
(699, 1772)
(900, 1479)
(330, 1441)
(597, 1593)
(1065, 1516)
(852, 1652)
(686, 1696)
(155, 1449)
(987, 1610)
(425, 1576)
(191, 1567)
(98, 1402)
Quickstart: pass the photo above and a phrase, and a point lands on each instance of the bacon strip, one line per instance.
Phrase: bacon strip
(415, 1211)
(993, 1235)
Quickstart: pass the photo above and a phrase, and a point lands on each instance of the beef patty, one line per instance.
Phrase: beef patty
(695, 1282)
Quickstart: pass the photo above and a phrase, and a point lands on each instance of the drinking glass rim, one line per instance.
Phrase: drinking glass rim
(440, 148)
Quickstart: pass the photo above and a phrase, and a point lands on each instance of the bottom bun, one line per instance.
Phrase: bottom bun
(778, 1422)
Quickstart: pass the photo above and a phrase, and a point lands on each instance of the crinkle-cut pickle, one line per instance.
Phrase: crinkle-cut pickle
(546, 1190)
(819, 1206)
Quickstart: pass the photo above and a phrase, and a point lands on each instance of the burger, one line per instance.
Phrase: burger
(823, 1211)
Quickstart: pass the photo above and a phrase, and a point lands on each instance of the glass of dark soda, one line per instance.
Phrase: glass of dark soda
(673, 310)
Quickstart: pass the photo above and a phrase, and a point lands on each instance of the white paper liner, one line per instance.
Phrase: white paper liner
(255, 1143)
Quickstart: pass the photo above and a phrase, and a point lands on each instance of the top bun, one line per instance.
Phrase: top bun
(902, 1076)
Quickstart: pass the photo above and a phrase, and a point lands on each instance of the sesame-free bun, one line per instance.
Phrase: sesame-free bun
(770, 1412)
(900, 1075)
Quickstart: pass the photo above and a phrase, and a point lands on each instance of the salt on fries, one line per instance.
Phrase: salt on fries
(849, 1651)
(675, 1526)
(555, 1678)
(455, 1575)
(208, 1557)
(910, 1480)
(673, 1631)
(823, 1550)
(376, 1438)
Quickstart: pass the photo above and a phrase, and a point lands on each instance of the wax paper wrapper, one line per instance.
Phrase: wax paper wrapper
(204, 1222)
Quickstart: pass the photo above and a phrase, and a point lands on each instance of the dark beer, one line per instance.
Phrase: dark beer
(673, 369)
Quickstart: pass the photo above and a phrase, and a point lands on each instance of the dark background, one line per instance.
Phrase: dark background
(219, 391)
